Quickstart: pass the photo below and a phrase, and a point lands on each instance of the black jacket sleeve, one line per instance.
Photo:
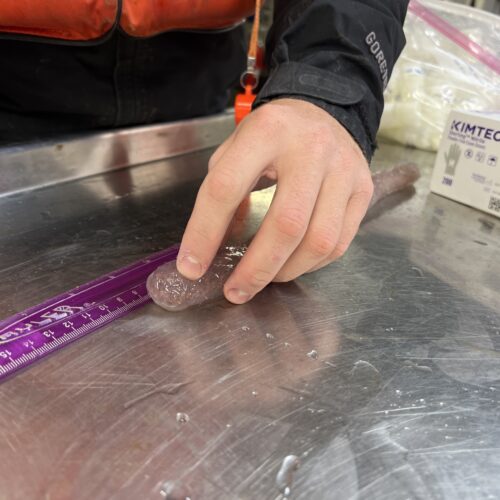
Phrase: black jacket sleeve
(337, 54)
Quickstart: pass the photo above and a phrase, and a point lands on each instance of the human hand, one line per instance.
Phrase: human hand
(323, 191)
(451, 158)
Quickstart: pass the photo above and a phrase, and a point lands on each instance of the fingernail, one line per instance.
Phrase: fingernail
(237, 296)
(190, 267)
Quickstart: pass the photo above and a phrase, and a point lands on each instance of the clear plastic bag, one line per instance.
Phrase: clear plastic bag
(451, 61)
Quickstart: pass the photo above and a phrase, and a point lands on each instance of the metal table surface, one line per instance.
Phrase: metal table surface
(401, 401)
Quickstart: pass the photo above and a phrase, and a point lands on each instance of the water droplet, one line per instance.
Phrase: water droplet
(270, 336)
(422, 400)
(182, 418)
(423, 368)
(284, 478)
(363, 371)
(228, 425)
(398, 392)
(170, 490)
(245, 328)
(287, 345)
(254, 394)
(418, 271)
(313, 354)
(441, 403)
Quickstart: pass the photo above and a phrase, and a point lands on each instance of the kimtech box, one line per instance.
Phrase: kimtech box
(467, 167)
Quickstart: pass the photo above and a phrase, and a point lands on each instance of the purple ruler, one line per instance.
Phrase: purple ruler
(42, 329)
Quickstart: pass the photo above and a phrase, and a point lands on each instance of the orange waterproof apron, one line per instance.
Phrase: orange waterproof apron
(87, 20)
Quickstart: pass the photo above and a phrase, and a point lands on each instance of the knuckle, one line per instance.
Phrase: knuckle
(213, 160)
(201, 234)
(291, 223)
(284, 277)
(322, 243)
(263, 118)
(265, 115)
(257, 279)
(366, 187)
(222, 186)
(339, 250)
(344, 165)
(363, 197)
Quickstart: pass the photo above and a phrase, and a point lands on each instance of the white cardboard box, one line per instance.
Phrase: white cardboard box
(467, 167)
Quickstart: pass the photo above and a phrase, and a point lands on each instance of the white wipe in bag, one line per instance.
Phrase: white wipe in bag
(451, 61)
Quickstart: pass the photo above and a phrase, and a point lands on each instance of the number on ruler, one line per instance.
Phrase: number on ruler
(5, 354)
(48, 333)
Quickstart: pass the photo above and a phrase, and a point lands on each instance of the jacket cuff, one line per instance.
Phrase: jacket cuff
(349, 101)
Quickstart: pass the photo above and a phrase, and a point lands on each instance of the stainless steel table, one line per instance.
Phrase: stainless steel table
(400, 401)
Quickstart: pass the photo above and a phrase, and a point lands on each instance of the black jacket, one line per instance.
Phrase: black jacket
(337, 54)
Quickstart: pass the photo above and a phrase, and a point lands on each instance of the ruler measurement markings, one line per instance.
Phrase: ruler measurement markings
(102, 319)
(80, 313)
(163, 256)
(69, 336)
(100, 302)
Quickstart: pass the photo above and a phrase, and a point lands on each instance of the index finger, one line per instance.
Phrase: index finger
(220, 194)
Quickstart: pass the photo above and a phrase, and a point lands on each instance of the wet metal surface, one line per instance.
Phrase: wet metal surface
(400, 400)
